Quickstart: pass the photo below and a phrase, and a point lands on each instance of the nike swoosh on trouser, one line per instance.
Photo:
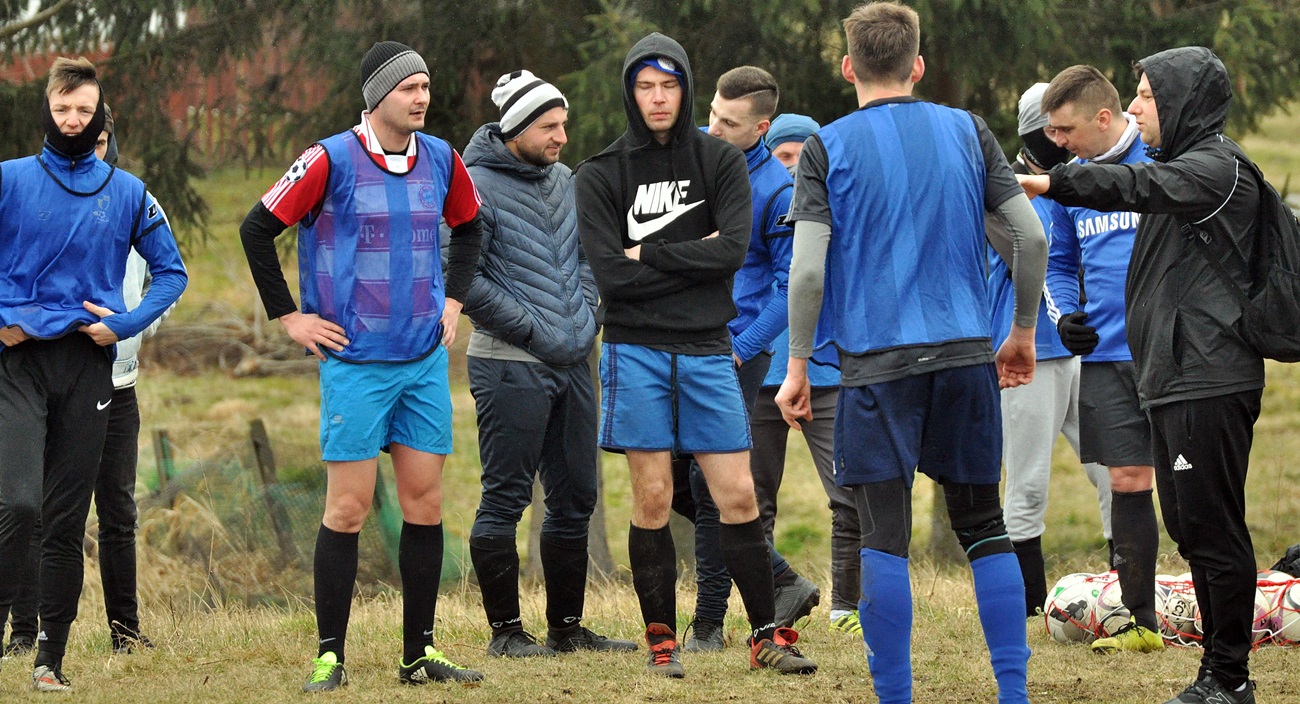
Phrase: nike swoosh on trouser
(637, 231)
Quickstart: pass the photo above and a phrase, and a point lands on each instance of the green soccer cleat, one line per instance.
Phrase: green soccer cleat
(1131, 637)
(327, 674)
(848, 623)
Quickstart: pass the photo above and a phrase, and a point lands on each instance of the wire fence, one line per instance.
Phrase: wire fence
(252, 535)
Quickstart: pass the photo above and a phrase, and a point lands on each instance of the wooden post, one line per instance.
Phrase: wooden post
(389, 517)
(265, 457)
(602, 561)
(530, 568)
(162, 455)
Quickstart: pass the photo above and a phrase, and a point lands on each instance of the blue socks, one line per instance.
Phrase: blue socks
(886, 615)
(1000, 593)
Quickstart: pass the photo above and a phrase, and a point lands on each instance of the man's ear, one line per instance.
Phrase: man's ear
(846, 70)
(918, 69)
(1104, 117)
(762, 127)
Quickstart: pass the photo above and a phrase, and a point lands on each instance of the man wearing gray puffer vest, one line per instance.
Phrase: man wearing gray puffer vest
(533, 304)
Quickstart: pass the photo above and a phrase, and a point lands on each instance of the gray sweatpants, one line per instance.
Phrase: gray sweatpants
(767, 464)
(1032, 416)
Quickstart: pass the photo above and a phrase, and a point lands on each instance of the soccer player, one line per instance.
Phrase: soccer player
(533, 304)
(1033, 415)
(68, 222)
(378, 315)
(1086, 118)
(889, 207)
(1199, 381)
(739, 114)
(785, 139)
(114, 483)
(664, 217)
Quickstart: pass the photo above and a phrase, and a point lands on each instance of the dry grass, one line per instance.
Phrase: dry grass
(216, 651)
(231, 653)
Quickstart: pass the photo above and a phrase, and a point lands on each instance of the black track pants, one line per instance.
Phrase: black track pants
(54, 407)
(1201, 449)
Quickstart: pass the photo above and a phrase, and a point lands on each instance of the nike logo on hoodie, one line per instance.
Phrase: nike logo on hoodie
(662, 197)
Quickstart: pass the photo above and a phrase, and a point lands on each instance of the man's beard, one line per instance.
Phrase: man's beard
(537, 158)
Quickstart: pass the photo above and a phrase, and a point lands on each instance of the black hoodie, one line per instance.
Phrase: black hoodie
(1180, 317)
(667, 198)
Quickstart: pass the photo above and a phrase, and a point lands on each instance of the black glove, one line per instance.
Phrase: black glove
(1078, 337)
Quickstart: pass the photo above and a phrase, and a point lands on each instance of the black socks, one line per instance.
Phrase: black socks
(744, 549)
(1137, 542)
(1029, 553)
(496, 562)
(564, 564)
(419, 559)
(654, 573)
(335, 570)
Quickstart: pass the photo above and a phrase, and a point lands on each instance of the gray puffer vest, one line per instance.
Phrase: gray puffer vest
(533, 288)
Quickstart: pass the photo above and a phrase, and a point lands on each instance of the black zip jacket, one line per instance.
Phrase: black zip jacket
(1180, 316)
(668, 198)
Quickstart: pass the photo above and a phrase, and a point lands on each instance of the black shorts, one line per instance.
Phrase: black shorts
(1113, 429)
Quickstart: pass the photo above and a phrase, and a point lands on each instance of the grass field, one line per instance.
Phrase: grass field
(218, 652)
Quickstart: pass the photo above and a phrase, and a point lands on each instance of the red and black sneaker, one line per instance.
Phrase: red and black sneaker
(779, 653)
(665, 659)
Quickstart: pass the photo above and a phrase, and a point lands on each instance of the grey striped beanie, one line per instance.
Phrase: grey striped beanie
(386, 65)
(522, 98)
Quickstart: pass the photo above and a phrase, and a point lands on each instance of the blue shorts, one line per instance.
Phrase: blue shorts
(656, 401)
(365, 407)
(947, 423)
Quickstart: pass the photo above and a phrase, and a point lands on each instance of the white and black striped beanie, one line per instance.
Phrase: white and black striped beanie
(522, 98)
(386, 65)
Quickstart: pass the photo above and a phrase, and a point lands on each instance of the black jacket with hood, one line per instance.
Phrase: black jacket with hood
(1180, 316)
(638, 191)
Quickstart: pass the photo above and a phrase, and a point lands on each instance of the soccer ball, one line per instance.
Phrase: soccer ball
(1068, 611)
(1180, 617)
(1265, 623)
(1287, 609)
(1072, 578)
(1109, 614)
(1273, 577)
(1164, 585)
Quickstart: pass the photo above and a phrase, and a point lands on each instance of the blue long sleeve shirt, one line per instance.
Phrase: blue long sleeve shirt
(66, 228)
(1101, 243)
(1002, 291)
(761, 286)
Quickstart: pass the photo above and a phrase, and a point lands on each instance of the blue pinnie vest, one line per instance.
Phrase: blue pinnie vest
(65, 232)
(370, 261)
(905, 182)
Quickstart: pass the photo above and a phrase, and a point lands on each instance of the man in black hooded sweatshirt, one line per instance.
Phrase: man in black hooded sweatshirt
(664, 217)
(1198, 380)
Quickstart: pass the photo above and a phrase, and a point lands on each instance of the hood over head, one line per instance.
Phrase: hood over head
(1192, 94)
(656, 45)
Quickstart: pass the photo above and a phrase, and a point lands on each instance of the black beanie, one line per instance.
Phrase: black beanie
(386, 65)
